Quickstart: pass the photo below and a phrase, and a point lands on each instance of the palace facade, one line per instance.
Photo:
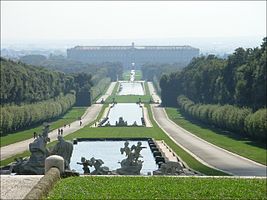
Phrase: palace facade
(133, 55)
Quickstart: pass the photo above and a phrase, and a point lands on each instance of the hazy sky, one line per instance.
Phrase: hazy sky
(130, 19)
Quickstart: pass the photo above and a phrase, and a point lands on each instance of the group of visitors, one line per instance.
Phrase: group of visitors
(60, 130)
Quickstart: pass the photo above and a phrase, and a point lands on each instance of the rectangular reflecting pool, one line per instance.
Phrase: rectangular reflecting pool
(131, 88)
(109, 152)
(130, 112)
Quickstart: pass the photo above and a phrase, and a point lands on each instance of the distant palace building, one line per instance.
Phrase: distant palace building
(138, 55)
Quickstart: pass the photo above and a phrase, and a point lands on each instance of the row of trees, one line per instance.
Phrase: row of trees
(15, 117)
(89, 80)
(28, 88)
(21, 83)
(68, 66)
(153, 72)
(238, 80)
(227, 117)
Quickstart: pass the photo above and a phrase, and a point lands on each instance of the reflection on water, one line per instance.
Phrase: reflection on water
(130, 112)
(109, 152)
(131, 88)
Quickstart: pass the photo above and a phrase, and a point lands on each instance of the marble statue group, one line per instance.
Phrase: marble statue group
(39, 152)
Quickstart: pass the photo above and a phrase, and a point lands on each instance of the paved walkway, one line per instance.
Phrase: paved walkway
(205, 152)
(17, 187)
(108, 93)
(153, 93)
(19, 147)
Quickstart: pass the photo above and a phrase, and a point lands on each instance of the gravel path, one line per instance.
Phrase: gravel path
(205, 152)
(17, 187)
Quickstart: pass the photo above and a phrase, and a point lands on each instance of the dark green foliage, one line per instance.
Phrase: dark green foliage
(15, 117)
(90, 80)
(239, 120)
(153, 72)
(21, 83)
(82, 86)
(239, 80)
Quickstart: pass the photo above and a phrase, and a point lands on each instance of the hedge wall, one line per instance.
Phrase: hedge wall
(229, 117)
(14, 117)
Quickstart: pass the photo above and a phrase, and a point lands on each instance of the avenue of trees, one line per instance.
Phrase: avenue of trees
(15, 117)
(153, 72)
(229, 93)
(21, 83)
(100, 74)
(227, 117)
(239, 80)
(32, 94)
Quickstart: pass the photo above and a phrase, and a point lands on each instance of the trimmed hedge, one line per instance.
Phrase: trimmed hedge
(14, 117)
(229, 117)
(99, 88)
(256, 124)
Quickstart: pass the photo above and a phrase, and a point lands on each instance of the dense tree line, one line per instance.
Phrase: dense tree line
(14, 117)
(99, 89)
(228, 117)
(21, 83)
(90, 80)
(32, 94)
(153, 72)
(238, 80)
(59, 63)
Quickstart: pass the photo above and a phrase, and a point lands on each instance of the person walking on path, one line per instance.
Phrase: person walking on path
(34, 135)
(81, 123)
(58, 131)
(61, 131)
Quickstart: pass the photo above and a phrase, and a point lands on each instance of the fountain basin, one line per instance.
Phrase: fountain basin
(130, 112)
(131, 88)
(109, 151)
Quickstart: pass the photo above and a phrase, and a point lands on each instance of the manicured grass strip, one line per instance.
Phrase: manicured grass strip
(69, 117)
(12, 159)
(228, 141)
(153, 132)
(130, 98)
(92, 187)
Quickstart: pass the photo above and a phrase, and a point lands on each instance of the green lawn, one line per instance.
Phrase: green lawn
(126, 75)
(231, 142)
(97, 187)
(69, 117)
